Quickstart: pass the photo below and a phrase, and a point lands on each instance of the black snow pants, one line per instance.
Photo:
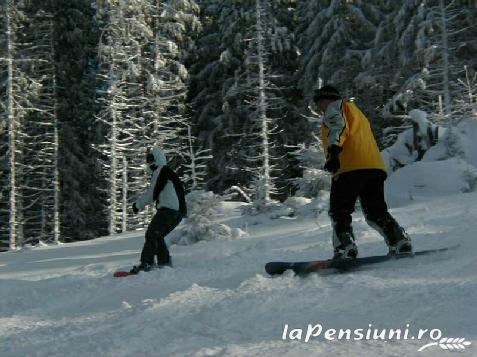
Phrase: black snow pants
(163, 222)
(368, 186)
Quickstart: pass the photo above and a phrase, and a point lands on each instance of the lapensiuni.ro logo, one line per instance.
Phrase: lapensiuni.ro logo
(372, 333)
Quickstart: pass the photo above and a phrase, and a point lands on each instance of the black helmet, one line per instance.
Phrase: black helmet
(326, 92)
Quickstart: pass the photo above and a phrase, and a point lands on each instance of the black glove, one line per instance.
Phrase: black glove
(134, 208)
(332, 163)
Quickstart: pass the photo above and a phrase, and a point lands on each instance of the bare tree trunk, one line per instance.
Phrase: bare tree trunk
(13, 238)
(125, 195)
(56, 145)
(445, 58)
(192, 160)
(262, 109)
(114, 164)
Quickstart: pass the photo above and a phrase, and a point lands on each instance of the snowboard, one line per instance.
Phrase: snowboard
(121, 274)
(306, 267)
(124, 273)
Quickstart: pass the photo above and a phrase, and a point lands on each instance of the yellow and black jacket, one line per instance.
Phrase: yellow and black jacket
(346, 126)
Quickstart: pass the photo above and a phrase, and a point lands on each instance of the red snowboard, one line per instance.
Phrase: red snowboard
(120, 274)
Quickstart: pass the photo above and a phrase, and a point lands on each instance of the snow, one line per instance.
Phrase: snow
(420, 117)
(423, 180)
(447, 168)
(399, 152)
(218, 301)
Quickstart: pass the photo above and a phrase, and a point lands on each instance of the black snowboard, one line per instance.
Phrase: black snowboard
(304, 268)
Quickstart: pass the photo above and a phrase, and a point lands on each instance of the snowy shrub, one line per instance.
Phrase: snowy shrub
(302, 206)
(321, 204)
(296, 202)
(312, 182)
(201, 222)
(314, 178)
(453, 143)
(459, 142)
(273, 209)
(412, 144)
(449, 167)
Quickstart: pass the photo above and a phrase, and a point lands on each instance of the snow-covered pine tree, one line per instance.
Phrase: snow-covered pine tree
(195, 164)
(429, 37)
(312, 160)
(166, 75)
(144, 92)
(377, 64)
(413, 143)
(125, 35)
(261, 158)
(224, 88)
(465, 105)
(76, 37)
(333, 37)
(202, 220)
(9, 233)
(257, 156)
(41, 167)
(425, 133)
(18, 99)
(336, 39)
(174, 30)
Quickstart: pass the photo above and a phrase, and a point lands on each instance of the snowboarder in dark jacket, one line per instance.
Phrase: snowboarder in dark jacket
(353, 157)
(167, 193)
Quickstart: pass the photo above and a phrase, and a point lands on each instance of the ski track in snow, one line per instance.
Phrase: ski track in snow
(218, 301)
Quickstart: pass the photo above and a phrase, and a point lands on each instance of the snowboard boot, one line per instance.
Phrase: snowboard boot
(396, 238)
(141, 267)
(344, 245)
(348, 252)
(403, 246)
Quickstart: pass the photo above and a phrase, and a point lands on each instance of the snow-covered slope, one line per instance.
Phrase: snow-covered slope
(217, 300)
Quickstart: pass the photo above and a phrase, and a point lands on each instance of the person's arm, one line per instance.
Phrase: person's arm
(336, 123)
(337, 134)
(147, 197)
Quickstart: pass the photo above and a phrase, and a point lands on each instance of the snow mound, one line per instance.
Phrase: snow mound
(422, 180)
(449, 167)
(457, 141)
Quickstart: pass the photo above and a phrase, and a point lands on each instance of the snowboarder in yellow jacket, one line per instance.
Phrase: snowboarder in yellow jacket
(354, 159)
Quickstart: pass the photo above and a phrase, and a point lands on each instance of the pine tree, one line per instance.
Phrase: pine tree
(465, 105)
(41, 167)
(334, 37)
(312, 160)
(20, 61)
(11, 234)
(196, 168)
(76, 37)
(427, 39)
(126, 34)
(224, 90)
(143, 93)
(202, 220)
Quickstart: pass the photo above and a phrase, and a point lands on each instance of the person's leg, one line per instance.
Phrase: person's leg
(344, 192)
(150, 245)
(169, 220)
(377, 215)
